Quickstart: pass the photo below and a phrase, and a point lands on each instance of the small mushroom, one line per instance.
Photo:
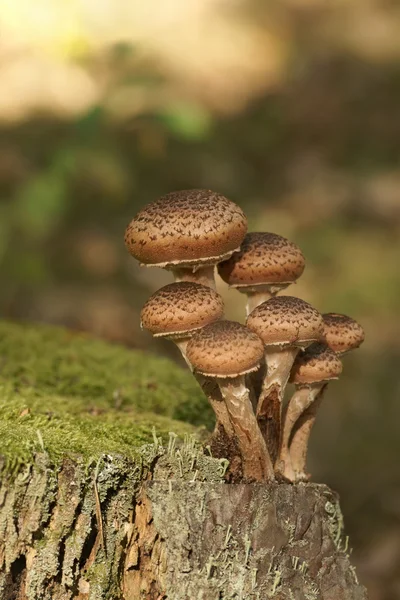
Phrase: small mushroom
(285, 324)
(226, 351)
(265, 264)
(342, 333)
(177, 311)
(187, 232)
(312, 371)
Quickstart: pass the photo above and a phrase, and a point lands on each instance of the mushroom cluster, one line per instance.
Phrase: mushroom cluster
(243, 369)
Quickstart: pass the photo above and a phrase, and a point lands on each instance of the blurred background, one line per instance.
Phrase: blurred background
(291, 110)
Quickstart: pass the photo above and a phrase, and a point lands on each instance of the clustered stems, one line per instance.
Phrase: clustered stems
(269, 407)
(243, 370)
(257, 463)
(213, 394)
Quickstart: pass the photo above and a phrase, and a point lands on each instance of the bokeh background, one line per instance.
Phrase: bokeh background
(291, 109)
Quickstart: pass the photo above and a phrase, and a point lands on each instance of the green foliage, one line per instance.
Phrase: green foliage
(187, 121)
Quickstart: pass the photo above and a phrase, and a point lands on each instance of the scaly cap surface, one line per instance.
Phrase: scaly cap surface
(225, 349)
(186, 228)
(180, 308)
(342, 333)
(263, 258)
(286, 320)
(316, 364)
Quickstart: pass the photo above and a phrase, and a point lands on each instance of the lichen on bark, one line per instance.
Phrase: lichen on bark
(249, 541)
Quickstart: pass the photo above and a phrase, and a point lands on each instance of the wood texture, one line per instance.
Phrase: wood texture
(192, 537)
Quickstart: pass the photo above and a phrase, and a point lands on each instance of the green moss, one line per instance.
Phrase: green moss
(68, 394)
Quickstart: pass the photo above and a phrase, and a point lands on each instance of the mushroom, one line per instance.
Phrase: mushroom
(179, 309)
(265, 264)
(175, 312)
(285, 324)
(187, 232)
(342, 333)
(225, 351)
(312, 371)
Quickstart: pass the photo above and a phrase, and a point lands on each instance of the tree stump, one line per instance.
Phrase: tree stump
(94, 505)
(124, 536)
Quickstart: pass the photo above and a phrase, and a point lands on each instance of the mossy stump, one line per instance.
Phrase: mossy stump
(107, 494)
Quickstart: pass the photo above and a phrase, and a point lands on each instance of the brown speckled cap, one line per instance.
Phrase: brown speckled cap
(181, 308)
(315, 365)
(263, 258)
(342, 333)
(286, 320)
(225, 349)
(186, 228)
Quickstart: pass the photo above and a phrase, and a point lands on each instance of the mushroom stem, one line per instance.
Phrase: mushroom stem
(211, 390)
(182, 345)
(301, 435)
(256, 297)
(256, 462)
(203, 275)
(301, 400)
(214, 396)
(251, 384)
(269, 407)
(254, 382)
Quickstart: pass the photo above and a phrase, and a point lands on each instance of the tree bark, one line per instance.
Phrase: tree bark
(168, 527)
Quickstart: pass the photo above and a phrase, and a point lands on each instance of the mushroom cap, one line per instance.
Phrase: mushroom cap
(316, 364)
(342, 333)
(286, 320)
(180, 308)
(186, 228)
(225, 349)
(263, 258)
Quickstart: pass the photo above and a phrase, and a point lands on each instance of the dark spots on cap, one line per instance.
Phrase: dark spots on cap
(286, 319)
(263, 258)
(342, 333)
(316, 364)
(198, 223)
(181, 307)
(226, 349)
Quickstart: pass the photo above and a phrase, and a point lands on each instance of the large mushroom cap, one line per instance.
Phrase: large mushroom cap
(315, 365)
(263, 258)
(186, 228)
(180, 308)
(286, 320)
(225, 349)
(342, 333)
